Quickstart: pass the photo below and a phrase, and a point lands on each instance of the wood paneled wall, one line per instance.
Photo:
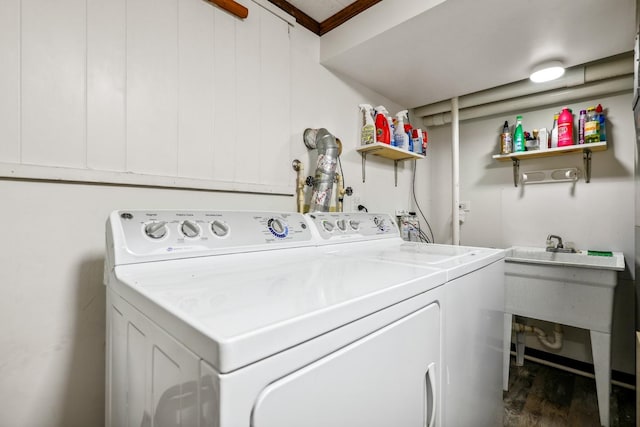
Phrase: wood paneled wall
(153, 92)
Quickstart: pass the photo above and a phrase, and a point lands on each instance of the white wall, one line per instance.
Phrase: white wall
(160, 88)
(52, 305)
(598, 215)
(322, 99)
(53, 301)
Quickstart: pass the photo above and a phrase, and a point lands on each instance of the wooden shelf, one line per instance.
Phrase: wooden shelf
(585, 149)
(521, 155)
(387, 151)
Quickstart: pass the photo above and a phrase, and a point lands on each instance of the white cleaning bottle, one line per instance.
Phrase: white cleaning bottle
(368, 130)
(400, 136)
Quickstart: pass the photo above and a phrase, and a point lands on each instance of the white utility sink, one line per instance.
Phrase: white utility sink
(574, 289)
(579, 259)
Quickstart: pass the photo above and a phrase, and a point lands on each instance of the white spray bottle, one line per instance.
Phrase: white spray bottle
(368, 130)
(401, 138)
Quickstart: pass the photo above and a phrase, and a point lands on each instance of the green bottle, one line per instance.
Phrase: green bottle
(518, 136)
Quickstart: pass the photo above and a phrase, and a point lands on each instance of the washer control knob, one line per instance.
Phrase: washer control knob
(379, 222)
(328, 226)
(278, 227)
(156, 229)
(354, 224)
(342, 224)
(190, 229)
(219, 228)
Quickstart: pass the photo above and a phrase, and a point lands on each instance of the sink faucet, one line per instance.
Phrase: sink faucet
(550, 243)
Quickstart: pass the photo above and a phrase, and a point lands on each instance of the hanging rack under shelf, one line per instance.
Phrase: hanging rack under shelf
(585, 149)
(389, 152)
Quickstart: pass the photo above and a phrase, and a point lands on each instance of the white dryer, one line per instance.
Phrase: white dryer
(472, 314)
(237, 319)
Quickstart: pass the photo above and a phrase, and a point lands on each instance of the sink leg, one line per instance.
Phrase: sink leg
(521, 338)
(601, 349)
(506, 352)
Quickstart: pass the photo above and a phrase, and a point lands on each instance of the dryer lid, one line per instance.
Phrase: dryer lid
(234, 310)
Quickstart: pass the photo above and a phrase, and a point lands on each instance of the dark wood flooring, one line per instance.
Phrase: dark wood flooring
(542, 396)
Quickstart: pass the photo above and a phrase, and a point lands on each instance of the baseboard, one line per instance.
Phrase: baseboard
(616, 376)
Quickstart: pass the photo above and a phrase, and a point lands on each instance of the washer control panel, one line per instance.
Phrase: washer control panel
(334, 226)
(144, 232)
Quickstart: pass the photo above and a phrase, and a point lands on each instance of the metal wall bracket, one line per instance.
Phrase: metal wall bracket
(395, 171)
(586, 156)
(516, 171)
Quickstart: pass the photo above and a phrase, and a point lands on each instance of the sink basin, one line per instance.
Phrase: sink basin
(531, 255)
(574, 289)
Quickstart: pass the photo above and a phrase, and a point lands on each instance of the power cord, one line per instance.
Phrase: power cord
(413, 192)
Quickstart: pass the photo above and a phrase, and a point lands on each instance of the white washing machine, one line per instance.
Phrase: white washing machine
(472, 315)
(239, 319)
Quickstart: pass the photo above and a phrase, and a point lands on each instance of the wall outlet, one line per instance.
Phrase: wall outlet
(465, 205)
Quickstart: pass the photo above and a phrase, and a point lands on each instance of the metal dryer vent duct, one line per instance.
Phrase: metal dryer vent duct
(328, 151)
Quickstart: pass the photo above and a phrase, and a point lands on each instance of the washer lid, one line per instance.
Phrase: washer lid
(457, 260)
(233, 310)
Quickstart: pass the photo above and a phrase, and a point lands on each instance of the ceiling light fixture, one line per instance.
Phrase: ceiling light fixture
(547, 71)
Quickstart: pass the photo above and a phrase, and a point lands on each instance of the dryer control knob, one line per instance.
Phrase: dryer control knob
(219, 228)
(190, 228)
(342, 224)
(355, 225)
(156, 230)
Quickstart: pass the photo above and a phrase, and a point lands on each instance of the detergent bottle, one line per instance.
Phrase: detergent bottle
(400, 136)
(603, 122)
(565, 128)
(592, 126)
(368, 130)
(382, 125)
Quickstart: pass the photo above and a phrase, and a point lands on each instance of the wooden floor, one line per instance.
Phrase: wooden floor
(547, 397)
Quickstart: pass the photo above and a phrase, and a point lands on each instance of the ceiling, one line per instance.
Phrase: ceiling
(321, 10)
(463, 46)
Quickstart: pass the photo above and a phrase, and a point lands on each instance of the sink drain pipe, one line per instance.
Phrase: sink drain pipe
(556, 344)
